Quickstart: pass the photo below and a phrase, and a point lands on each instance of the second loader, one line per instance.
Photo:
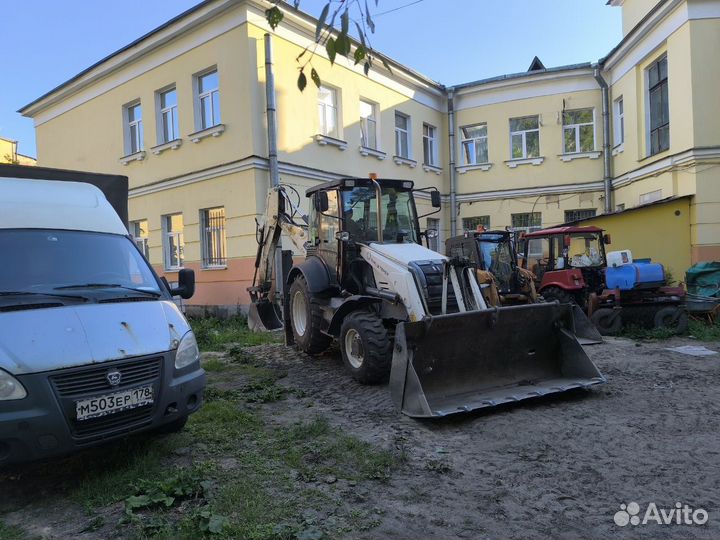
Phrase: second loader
(400, 310)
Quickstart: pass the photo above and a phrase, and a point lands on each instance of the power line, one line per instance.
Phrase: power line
(397, 8)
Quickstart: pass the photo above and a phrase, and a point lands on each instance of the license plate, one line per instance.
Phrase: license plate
(113, 403)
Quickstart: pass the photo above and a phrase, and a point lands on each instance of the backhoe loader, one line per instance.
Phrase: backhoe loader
(401, 310)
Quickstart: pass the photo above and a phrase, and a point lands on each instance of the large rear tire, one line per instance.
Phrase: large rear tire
(607, 321)
(550, 294)
(366, 348)
(306, 319)
(673, 318)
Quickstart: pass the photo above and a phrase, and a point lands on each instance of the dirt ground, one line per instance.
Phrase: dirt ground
(555, 467)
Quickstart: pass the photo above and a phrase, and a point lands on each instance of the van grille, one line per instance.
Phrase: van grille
(84, 381)
(96, 429)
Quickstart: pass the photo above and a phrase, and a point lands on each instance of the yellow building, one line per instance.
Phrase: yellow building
(181, 112)
(9, 154)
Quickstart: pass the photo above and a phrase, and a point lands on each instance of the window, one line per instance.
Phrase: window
(577, 215)
(525, 137)
(529, 221)
(368, 125)
(168, 118)
(212, 233)
(620, 207)
(430, 145)
(402, 135)
(133, 128)
(433, 223)
(651, 196)
(474, 144)
(327, 108)
(173, 241)
(139, 231)
(578, 131)
(659, 139)
(208, 100)
(472, 223)
(619, 121)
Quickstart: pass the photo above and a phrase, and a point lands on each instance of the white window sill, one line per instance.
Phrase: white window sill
(399, 160)
(219, 267)
(578, 155)
(170, 145)
(324, 140)
(214, 131)
(432, 168)
(137, 156)
(619, 149)
(512, 163)
(474, 167)
(366, 151)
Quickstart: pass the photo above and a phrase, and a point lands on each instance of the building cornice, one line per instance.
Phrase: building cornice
(686, 158)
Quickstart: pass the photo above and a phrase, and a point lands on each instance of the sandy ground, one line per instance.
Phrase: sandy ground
(557, 467)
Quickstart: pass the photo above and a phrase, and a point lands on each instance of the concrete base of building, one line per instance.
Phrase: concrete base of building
(219, 311)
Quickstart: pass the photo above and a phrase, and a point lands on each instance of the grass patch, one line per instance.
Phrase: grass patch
(704, 331)
(701, 330)
(213, 333)
(11, 532)
(636, 332)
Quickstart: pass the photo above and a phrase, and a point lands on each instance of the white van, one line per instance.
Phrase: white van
(92, 346)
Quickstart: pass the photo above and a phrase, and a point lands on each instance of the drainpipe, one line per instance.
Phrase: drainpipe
(453, 173)
(271, 114)
(607, 163)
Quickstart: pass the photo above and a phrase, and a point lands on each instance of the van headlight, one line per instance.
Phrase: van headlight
(187, 351)
(10, 387)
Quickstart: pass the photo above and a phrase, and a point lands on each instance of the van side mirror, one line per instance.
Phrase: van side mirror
(321, 202)
(186, 284)
(435, 199)
(606, 239)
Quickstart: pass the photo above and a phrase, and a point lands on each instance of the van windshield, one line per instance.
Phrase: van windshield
(42, 260)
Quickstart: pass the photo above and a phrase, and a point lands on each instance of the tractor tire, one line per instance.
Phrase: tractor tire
(366, 347)
(673, 318)
(607, 321)
(551, 294)
(306, 319)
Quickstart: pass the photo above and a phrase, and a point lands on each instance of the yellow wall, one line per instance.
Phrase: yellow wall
(660, 232)
(9, 154)
(633, 12)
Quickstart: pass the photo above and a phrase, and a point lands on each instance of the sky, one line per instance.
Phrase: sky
(46, 42)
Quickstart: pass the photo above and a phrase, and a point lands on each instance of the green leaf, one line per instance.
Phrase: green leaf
(315, 77)
(330, 48)
(273, 16)
(302, 81)
(342, 45)
(361, 34)
(368, 20)
(385, 63)
(321, 21)
(366, 68)
(359, 54)
(345, 22)
(216, 523)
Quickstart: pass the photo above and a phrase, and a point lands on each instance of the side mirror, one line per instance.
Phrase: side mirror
(435, 199)
(431, 233)
(606, 239)
(342, 236)
(186, 284)
(321, 202)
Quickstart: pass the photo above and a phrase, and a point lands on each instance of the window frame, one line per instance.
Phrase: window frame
(528, 228)
(474, 141)
(619, 121)
(161, 111)
(524, 133)
(365, 125)
(130, 125)
(577, 129)
(207, 243)
(398, 134)
(433, 243)
(649, 101)
(322, 111)
(180, 242)
(482, 220)
(214, 96)
(142, 242)
(431, 150)
(575, 212)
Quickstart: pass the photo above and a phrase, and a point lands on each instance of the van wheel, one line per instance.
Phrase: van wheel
(366, 348)
(673, 318)
(607, 321)
(306, 319)
(556, 293)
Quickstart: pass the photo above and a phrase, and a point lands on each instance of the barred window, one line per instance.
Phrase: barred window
(526, 220)
(577, 215)
(212, 232)
(139, 230)
(472, 223)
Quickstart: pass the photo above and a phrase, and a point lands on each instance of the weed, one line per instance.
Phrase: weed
(214, 365)
(438, 466)
(704, 331)
(185, 484)
(213, 333)
(11, 532)
(636, 332)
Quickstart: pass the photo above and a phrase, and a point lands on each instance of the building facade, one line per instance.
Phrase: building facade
(9, 154)
(182, 112)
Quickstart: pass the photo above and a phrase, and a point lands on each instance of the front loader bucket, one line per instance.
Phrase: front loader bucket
(263, 315)
(585, 330)
(464, 361)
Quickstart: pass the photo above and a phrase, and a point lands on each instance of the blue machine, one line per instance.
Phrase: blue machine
(641, 274)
